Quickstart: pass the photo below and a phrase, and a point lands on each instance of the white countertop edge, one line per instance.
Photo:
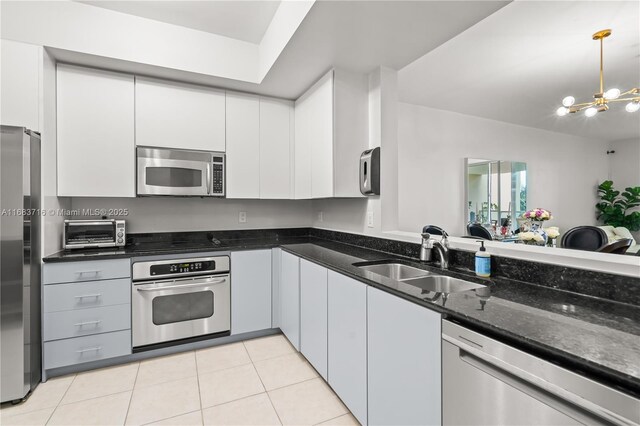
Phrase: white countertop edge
(592, 261)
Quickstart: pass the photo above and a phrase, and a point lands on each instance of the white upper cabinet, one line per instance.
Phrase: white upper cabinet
(243, 146)
(276, 148)
(177, 115)
(20, 85)
(96, 148)
(331, 131)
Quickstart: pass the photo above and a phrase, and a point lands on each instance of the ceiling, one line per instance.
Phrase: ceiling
(243, 20)
(358, 36)
(517, 65)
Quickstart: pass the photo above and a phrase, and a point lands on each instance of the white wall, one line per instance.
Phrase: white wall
(624, 163)
(158, 214)
(563, 171)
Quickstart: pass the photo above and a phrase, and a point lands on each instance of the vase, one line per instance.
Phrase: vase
(536, 228)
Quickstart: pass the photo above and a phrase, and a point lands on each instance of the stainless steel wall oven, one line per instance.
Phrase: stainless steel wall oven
(179, 299)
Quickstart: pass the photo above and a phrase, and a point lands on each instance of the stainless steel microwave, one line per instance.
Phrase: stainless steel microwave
(180, 172)
(78, 234)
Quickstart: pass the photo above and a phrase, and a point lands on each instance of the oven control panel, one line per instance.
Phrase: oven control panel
(180, 267)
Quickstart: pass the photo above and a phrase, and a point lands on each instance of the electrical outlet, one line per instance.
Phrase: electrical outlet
(370, 219)
(242, 217)
(320, 216)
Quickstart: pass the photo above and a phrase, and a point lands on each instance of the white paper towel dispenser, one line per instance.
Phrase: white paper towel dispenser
(370, 172)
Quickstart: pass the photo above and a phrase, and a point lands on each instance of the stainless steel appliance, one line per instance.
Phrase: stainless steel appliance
(93, 233)
(179, 299)
(370, 172)
(20, 348)
(180, 172)
(490, 383)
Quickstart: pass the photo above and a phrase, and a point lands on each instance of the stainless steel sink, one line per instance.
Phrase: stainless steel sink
(395, 271)
(443, 284)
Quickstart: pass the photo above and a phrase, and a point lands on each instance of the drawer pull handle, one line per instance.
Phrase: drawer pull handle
(95, 349)
(88, 296)
(80, 273)
(80, 324)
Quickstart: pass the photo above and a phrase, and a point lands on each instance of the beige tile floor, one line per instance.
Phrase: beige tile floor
(256, 382)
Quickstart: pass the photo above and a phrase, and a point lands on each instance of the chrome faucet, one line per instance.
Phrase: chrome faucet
(429, 244)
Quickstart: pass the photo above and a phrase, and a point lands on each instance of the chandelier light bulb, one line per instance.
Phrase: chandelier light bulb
(562, 111)
(632, 106)
(568, 101)
(590, 112)
(612, 94)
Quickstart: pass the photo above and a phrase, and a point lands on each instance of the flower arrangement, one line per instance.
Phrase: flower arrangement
(537, 214)
(531, 237)
(553, 232)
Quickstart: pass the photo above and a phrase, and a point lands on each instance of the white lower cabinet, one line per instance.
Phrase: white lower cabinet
(404, 361)
(347, 342)
(313, 315)
(250, 291)
(86, 311)
(290, 298)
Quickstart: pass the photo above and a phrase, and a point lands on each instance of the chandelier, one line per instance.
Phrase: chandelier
(601, 99)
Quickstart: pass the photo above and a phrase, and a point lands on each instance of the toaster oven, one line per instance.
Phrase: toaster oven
(79, 234)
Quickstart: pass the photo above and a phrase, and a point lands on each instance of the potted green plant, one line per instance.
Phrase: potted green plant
(614, 208)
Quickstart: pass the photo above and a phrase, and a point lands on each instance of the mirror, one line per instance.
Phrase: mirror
(496, 195)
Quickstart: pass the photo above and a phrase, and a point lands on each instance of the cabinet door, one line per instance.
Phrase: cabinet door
(347, 340)
(243, 146)
(302, 151)
(290, 298)
(20, 85)
(177, 115)
(275, 149)
(404, 361)
(314, 140)
(313, 315)
(96, 148)
(250, 291)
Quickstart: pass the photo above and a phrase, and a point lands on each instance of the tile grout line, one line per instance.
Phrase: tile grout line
(63, 395)
(195, 355)
(132, 391)
(267, 393)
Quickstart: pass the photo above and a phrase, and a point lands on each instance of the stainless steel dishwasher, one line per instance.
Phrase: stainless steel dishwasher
(486, 382)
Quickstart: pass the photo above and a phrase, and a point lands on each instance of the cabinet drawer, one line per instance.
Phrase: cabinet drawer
(91, 294)
(91, 270)
(87, 348)
(82, 322)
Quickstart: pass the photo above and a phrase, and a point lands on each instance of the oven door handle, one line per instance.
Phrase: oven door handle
(170, 287)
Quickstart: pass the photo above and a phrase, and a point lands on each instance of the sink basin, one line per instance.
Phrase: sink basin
(394, 270)
(443, 284)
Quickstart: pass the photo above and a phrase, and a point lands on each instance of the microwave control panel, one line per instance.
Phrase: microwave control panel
(217, 178)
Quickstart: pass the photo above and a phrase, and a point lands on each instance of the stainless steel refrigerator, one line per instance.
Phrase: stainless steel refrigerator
(20, 341)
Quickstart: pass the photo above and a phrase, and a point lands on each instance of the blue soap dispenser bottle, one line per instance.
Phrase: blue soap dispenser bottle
(483, 261)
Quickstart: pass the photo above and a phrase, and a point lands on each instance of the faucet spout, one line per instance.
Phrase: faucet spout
(442, 248)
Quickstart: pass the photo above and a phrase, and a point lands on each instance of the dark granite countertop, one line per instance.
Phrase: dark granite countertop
(599, 337)
(590, 334)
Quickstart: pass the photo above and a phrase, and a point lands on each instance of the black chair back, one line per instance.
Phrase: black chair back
(479, 231)
(588, 238)
(617, 247)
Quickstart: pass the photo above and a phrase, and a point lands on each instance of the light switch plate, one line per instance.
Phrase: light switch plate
(370, 219)
(242, 217)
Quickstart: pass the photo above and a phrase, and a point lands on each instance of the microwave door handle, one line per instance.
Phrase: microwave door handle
(209, 178)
